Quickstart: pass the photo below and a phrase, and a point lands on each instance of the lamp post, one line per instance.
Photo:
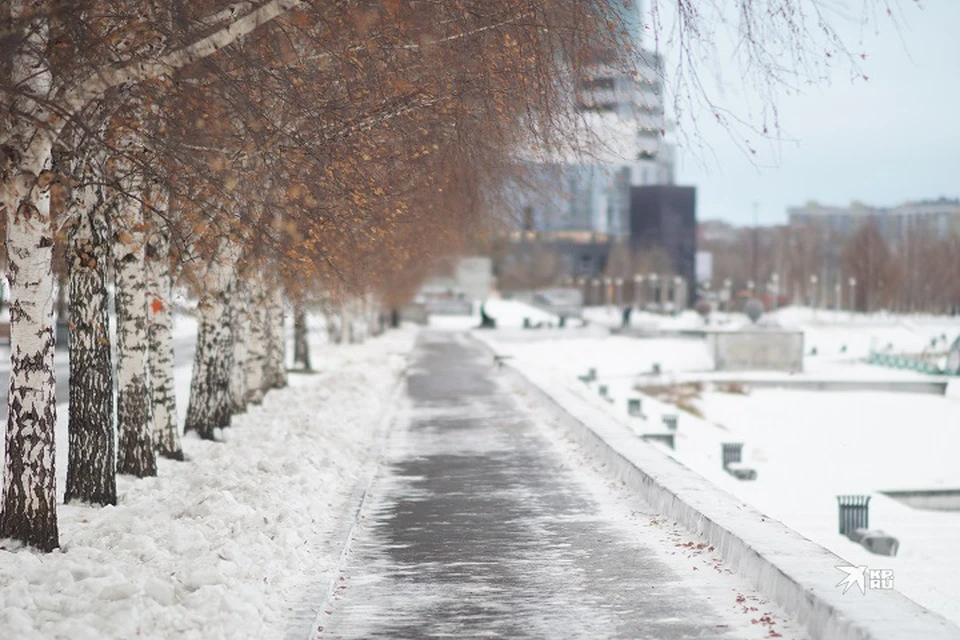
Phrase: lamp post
(853, 296)
(595, 291)
(775, 289)
(726, 295)
(607, 293)
(638, 290)
(618, 283)
(654, 298)
(813, 292)
(837, 301)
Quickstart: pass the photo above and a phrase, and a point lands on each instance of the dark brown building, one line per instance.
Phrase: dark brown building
(666, 216)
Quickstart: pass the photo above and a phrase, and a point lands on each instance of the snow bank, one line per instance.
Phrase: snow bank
(226, 544)
(799, 574)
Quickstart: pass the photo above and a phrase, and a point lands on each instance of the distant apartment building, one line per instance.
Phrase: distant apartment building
(938, 218)
(717, 231)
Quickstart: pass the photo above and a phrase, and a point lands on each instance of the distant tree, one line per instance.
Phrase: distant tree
(653, 260)
(867, 258)
(534, 268)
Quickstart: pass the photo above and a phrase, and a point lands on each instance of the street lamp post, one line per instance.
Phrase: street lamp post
(837, 301)
(638, 290)
(607, 291)
(813, 292)
(775, 290)
(619, 285)
(595, 291)
(853, 297)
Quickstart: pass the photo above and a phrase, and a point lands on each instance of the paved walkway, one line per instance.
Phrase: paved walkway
(479, 526)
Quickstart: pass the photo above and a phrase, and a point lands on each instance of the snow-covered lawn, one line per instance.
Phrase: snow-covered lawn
(226, 544)
(807, 446)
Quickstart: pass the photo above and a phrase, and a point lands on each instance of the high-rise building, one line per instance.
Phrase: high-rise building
(624, 121)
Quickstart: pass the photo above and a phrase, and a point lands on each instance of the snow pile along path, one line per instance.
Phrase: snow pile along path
(221, 546)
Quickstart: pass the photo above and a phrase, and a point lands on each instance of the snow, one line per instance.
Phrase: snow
(849, 443)
(226, 544)
(807, 446)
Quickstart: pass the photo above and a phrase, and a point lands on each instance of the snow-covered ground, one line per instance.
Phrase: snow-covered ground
(225, 544)
(807, 446)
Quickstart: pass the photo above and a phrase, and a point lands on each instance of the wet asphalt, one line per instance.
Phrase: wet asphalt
(476, 527)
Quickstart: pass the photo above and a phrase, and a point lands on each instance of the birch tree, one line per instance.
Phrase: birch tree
(159, 274)
(135, 453)
(211, 402)
(91, 471)
(29, 476)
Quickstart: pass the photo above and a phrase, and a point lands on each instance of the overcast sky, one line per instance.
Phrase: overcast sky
(891, 138)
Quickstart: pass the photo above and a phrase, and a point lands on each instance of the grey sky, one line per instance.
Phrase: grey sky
(891, 138)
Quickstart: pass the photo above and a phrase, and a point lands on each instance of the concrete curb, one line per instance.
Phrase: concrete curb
(350, 516)
(799, 575)
(928, 387)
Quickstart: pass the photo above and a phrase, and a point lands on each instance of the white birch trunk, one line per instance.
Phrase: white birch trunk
(301, 336)
(373, 316)
(29, 511)
(346, 324)
(211, 405)
(359, 321)
(91, 465)
(166, 429)
(276, 341)
(240, 308)
(256, 341)
(333, 326)
(135, 451)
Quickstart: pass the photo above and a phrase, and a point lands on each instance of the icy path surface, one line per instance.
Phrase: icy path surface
(484, 522)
